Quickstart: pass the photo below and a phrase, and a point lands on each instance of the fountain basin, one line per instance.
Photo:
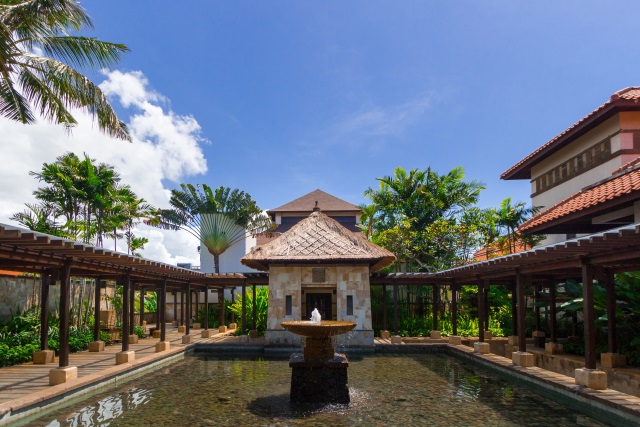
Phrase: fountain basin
(318, 346)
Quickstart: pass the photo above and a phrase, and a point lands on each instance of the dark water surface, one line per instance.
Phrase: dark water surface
(405, 390)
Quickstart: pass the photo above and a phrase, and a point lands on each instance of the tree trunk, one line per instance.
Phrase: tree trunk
(216, 262)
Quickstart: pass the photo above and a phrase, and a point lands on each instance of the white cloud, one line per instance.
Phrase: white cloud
(165, 146)
(384, 121)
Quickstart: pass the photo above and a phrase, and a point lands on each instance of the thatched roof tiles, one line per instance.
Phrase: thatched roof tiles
(318, 239)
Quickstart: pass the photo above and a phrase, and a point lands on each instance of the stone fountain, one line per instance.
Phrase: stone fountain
(319, 375)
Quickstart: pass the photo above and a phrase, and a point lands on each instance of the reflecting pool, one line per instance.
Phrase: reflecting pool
(408, 390)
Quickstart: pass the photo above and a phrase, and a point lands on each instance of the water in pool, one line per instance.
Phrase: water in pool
(407, 390)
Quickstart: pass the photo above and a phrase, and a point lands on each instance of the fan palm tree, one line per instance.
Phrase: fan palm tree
(218, 218)
(47, 84)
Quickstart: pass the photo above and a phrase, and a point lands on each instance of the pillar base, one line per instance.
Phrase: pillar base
(481, 347)
(522, 358)
(396, 339)
(208, 333)
(488, 335)
(592, 378)
(385, 335)
(133, 339)
(43, 357)
(435, 335)
(163, 346)
(62, 375)
(512, 340)
(538, 338)
(182, 329)
(553, 348)
(125, 357)
(254, 333)
(187, 339)
(233, 326)
(156, 334)
(96, 346)
(455, 340)
(611, 360)
(222, 329)
(196, 326)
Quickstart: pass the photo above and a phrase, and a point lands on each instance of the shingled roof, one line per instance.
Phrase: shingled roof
(318, 238)
(622, 187)
(306, 203)
(627, 99)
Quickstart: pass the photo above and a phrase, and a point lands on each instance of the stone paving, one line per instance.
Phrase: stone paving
(21, 380)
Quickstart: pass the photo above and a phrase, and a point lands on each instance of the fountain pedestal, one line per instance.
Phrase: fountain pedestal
(319, 375)
(319, 382)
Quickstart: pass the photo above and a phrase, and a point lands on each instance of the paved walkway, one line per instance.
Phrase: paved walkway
(21, 380)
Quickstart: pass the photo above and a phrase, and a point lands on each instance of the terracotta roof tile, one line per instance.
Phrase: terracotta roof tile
(627, 94)
(318, 238)
(613, 187)
(306, 203)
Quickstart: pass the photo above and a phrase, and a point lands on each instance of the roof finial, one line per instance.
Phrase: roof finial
(316, 208)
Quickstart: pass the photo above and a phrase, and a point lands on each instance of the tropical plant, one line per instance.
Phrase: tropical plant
(262, 307)
(37, 56)
(218, 218)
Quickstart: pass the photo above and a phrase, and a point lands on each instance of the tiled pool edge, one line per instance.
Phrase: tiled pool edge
(620, 405)
(34, 404)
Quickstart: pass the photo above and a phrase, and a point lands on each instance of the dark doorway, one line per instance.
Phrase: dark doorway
(322, 302)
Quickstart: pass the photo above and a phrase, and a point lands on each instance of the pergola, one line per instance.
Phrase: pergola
(594, 257)
(57, 260)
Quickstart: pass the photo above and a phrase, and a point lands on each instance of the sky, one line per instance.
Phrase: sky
(280, 98)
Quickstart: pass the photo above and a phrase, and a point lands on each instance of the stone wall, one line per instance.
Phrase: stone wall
(22, 293)
(347, 280)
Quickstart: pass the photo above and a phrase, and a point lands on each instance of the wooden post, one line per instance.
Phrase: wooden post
(142, 292)
(244, 308)
(395, 309)
(181, 306)
(536, 308)
(96, 310)
(197, 294)
(481, 312)
(188, 329)
(384, 307)
(608, 280)
(45, 282)
(126, 307)
(175, 306)
(65, 289)
(454, 308)
(233, 300)
(206, 308)
(589, 316)
(254, 325)
(553, 320)
(163, 310)
(486, 287)
(221, 307)
(521, 283)
(132, 310)
(514, 310)
(435, 293)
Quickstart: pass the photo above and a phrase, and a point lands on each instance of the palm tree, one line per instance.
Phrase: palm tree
(509, 217)
(368, 217)
(48, 84)
(217, 218)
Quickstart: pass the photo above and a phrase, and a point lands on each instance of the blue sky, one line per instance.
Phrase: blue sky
(294, 96)
(280, 98)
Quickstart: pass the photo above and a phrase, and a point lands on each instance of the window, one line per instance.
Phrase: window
(288, 306)
(349, 305)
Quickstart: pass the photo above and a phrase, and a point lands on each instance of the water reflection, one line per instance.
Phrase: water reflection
(106, 409)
